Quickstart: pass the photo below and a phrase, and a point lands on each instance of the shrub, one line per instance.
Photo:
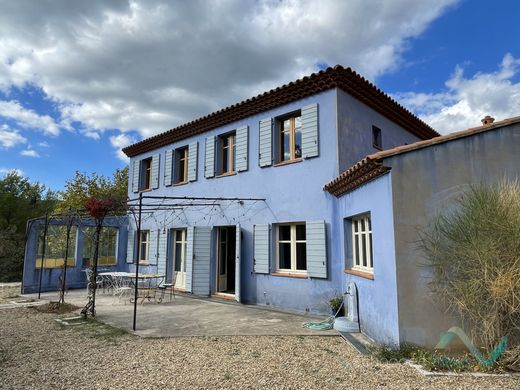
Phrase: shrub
(434, 361)
(394, 354)
(474, 252)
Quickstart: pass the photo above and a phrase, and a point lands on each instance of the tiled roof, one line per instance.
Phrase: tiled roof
(372, 165)
(337, 77)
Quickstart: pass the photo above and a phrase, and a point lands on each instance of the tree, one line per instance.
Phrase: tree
(82, 187)
(20, 200)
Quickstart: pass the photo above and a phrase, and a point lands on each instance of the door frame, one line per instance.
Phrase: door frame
(217, 259)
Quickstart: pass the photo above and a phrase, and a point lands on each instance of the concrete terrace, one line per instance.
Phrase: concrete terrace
(186, 316)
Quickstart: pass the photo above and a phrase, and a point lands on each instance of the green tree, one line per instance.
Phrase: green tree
(20, 200)
(83, 187)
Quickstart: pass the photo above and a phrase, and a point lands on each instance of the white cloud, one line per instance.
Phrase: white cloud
(10, 138)
(149, 66)
(30, 153)
(467, 100)
(43, 144)
(120, 141)
(28, 118)
(5, 171)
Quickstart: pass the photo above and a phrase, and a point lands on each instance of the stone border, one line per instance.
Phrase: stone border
(424, 372)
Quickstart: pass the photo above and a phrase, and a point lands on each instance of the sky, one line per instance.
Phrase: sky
(80, 80)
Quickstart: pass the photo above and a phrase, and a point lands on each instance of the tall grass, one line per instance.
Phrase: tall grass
(474, 252)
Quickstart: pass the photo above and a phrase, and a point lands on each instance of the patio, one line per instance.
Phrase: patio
(188, 316)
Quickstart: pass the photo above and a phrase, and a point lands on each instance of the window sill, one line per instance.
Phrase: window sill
(145, 190)
(288, 162)
(226, 174)
(181, 183)
(289, 275)
(377, 147)
(362, 274)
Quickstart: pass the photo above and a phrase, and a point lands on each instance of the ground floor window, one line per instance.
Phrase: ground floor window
(291, 248)
(144, 243)
(55, 247)
(107, 246)
(362, 243)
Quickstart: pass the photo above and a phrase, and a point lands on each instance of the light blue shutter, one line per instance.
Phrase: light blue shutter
(161, 253)
(265, 157)
(242, 149)
(201, 260)
(261, 249)
(193, 153)
(310, 131)
(135, 176)
(153, 247)
(168, 167)
(189, 258)
(130, 247)
(238, 248)
(316, 249)
(155, 171)
(209, 163)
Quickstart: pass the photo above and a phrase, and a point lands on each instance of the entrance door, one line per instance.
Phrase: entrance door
(226, 260)
(179, 257)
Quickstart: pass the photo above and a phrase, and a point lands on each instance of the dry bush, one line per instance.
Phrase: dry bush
(474, 252)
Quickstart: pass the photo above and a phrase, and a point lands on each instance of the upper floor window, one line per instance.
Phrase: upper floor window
(144, 243)
(362, 243)
(227, 152)
(181, 165)
(146, 175)
(291, 248)
(289, 137)
(377, 140)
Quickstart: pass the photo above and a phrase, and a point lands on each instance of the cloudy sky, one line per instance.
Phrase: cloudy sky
(81, 79)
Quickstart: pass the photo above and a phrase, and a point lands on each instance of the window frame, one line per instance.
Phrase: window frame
(181, 154)
(357, 259)
(145, 177)
(184, 244)
(146, 242)
(231, 154)
(377, 138)
(293, 242)
(102, 246)
(279, 123)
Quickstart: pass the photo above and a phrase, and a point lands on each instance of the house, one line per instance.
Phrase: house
(383, 203)
(268, 233)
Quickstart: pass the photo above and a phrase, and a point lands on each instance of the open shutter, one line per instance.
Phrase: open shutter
(209, 163)
(238, 248)
(161, 252)
(155, 171)
(310, 131)
(261, 249)
(130, 249)
(135, 176)
(242, 149)
(193, 153)
(189, 259)
(153, 247)
(316, 249)
(168, 167)
(265, 157)
(201, 260)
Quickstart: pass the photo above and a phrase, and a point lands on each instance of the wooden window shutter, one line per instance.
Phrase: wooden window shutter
(265, 157)
(153, 247)
(209, 163)
(261, 249)
(193, 154)
(168, 167)
(135, 176)
(310, 142)
(238, 249)
(130, 249)
(316, 249)
(201, 260)
(242, 148)
(155, 171)
(189, 259)
(161, 252)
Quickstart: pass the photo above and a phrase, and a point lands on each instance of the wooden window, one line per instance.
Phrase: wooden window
(289, 134)
(377, 141)
(55, 247)
(227, 154)
(291, 248)
(362, 243)
(144, 246)
(181, 171)
(146, 174)
(107, 246)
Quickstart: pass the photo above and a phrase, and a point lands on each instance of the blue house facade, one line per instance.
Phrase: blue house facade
(251, 220)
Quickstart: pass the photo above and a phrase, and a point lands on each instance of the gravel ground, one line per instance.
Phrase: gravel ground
(8, 291)
(36, 353)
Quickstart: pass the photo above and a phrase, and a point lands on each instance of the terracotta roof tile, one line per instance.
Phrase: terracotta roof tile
(372, 165)
(337, 77)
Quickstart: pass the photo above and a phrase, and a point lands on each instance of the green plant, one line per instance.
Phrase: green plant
(434, 361)
(335, 302)
(474, 253)
(393, 354)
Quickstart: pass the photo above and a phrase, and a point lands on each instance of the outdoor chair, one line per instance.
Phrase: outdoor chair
(99, 279)
(168, 288)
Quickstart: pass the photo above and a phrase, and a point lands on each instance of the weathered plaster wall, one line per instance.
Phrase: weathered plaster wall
(355, 121)
(377, 297)
(426, 182)
(76, 277)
